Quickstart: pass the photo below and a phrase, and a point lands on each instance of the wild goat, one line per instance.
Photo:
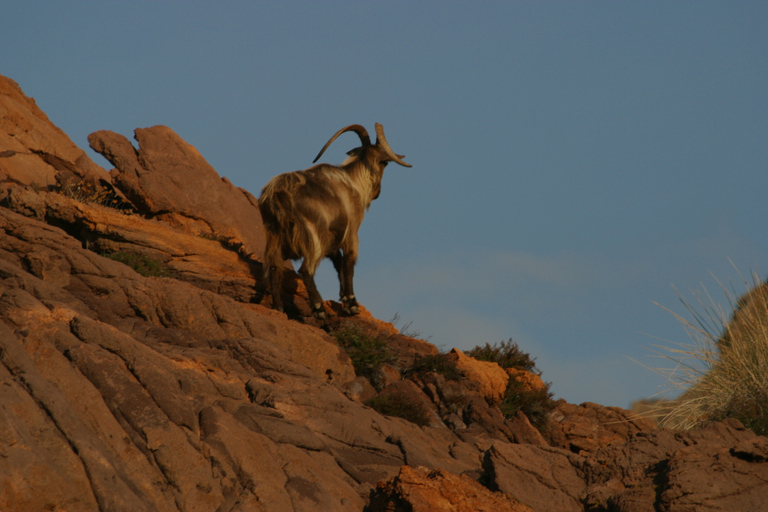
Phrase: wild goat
(315, 214)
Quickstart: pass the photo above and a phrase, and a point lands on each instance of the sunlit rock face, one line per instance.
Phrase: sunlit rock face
(138, 372)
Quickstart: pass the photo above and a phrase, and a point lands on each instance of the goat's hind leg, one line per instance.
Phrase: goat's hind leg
(345, 268)
(315, 300)
(274, 277)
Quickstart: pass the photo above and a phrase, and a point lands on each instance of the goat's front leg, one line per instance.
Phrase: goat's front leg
(315, 300)
(337, 258)
(346, 275)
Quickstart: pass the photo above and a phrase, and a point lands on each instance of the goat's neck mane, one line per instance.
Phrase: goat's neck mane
(365, 177)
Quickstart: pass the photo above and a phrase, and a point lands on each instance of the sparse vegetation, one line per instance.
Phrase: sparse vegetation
(401, 406)
(534, 403)
(86, 192)
(141, 263)
(441, 363)
(227, 242)
(367, 348)
(506, 354)
(407, 329)
(724, 371)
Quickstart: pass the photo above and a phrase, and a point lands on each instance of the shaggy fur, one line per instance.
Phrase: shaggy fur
(315, 214)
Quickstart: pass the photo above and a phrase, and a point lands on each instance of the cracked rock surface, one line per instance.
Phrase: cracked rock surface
(177, 391)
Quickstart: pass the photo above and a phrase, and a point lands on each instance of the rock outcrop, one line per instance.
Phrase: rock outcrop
(169, 179)
(422, 489)
(33, 150)
(167, 387)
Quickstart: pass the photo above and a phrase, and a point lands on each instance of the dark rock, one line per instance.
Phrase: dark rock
(586, 427)
(542, 477)
(664, 470)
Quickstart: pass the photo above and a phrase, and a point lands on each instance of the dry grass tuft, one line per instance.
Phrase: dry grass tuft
(723, 372)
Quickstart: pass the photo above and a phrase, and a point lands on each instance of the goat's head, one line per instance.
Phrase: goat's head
(380, 151)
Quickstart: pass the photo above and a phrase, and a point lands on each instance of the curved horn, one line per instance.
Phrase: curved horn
(358, 129)
(381, 141)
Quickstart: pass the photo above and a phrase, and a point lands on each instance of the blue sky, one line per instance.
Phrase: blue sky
(572, 161)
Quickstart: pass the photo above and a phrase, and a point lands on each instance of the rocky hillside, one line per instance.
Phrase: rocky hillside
(143, 370)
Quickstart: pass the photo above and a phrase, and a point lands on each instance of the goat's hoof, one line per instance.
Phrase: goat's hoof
(319, 313)
(349, 306)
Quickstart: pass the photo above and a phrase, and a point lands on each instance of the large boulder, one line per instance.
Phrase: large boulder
(197, 260)
(421, 489)
(168, 179)
(589, 426)
(491, 378)
(721, 467)
(542, 477)
(33, 151)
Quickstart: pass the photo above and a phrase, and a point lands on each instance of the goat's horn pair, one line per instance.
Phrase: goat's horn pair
(381, 141)
(358, 129)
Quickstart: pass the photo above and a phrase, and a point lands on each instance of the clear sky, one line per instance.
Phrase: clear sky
(572, 161)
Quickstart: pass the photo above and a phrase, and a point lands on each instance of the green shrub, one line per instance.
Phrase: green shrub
(367, 349)
(441, 363)
(401, 406)
(141, 263)
(724, 371)
(506, 354)
(534, 404)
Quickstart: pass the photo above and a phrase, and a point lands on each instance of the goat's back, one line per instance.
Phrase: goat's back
(310, 211)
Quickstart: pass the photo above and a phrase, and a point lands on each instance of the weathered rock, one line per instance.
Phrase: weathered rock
(491, 378)
(412, 395)
(359, 389)
(589, 426)
(115, 293)
(528, 381)
(32, 150)
(663, 470)
(169, 179)
(203, 262)
(524, 431)
(544, 478)
(421, 489)
(162, 369)
(120, 391)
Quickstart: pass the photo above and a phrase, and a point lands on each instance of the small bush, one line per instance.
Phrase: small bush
(441, 363)
(368, 349)
(506, 354)
(535, 404)
(399, 405)
(724, 371)
(86, 192)
(141, 263)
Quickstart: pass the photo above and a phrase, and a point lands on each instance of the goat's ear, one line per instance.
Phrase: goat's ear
(355, 152)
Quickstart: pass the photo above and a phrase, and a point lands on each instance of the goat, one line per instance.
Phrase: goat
(315, 214)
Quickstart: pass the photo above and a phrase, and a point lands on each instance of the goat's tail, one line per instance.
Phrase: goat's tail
(277, 208)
